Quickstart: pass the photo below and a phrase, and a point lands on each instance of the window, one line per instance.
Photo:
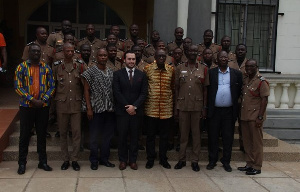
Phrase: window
(252, 22)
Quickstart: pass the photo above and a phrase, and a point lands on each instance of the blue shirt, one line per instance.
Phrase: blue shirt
(223, 97)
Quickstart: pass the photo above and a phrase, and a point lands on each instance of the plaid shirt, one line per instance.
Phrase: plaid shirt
(24, 80)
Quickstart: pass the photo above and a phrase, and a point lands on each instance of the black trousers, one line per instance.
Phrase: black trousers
(222, 120)
(28, 118)
(128, 125)
(162, 127)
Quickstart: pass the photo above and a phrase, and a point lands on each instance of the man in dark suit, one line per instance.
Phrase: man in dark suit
(223, 93)
(130, 88)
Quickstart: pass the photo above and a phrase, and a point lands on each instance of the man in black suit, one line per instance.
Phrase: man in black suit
(223, 93)
(130, 88)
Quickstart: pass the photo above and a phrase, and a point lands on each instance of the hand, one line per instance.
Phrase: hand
(89, 114)
(258, 123)
(37, 103)
(130, 109)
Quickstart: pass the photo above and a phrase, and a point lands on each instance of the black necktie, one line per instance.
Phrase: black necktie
(130, 76)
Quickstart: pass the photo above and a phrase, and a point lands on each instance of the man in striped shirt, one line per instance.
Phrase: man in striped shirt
(34, 83)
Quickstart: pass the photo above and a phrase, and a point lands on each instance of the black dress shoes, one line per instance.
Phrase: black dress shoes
(211, 166)
(44, 166)
(180, 164)
(107, 164)
(94, 166)
(195, 167)
(65, 165)
(165, 164)
(227, 167)
(149, 164)
(253, 172)
(246, 168)
(21, 169)
(75, 166)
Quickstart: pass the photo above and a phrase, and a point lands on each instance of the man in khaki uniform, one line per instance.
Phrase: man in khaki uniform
(226, 43)
(160, 45)
(187, 42)
(59, 55)
(91, 40)
(134, 33)
(115, 29)
(47, 51)
(85, 52)
(112, 39)
(177, 57)
(207, 43)
(140, 63)
(178, 41)
(207, 57)
(255, 98)
(68, 103)
(112, 61)
(191, 96)
(141, 42)
(150, 48)
(56, 39)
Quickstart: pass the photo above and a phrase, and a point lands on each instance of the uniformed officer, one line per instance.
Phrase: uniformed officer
(140, 63)
(59, 55)
(47, 51)
(112, 39)
(187, 42)
(178, 33)
(55, 39)
(255, 98)
(191, 96)
(91, 40)
(47, 54)
(134, 33)
(85, 52)
(226, 43)
(150, 48)
(177, 57)
(207, 57)
(115, 29)
(68, 103)
(112, 62)
(207, 43)
(160, 45)
(141, 42)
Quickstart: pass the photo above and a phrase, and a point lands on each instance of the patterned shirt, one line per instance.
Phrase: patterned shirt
(101, 94)
(161, 86)
(24, 83)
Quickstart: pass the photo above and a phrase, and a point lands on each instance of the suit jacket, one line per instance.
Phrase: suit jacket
(127, 94)
(236, 82)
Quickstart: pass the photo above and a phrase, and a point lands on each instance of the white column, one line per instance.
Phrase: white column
(271, 99)
(297, 97)
(182, 16)
(284, 97)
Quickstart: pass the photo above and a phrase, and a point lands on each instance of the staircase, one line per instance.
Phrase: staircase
(274, 149)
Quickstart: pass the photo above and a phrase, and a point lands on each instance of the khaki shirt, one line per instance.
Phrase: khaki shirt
(114, 66)
(95, 46)
(231, 56)
(213, 46)
(47, 53)
(234, 64)
(60, 56)
(171, 46)
(128, 43)
(189, 86)
(141, 65)
(69, 87)
(149, 50)
(253, 92)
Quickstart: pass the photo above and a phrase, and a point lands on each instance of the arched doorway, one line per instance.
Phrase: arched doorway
(79, 12)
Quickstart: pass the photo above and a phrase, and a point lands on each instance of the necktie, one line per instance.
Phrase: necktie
(130, 76)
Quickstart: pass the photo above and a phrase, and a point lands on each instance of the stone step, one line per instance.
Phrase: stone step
(283, 152)
(268, 140)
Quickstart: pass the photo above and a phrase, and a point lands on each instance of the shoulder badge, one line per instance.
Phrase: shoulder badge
(121, 40)
(53, 32)
(30, 43)
(57, 62)
(169, 42)
(79, 61)
(148, 45)
(104, 39)
(77, 51)
(262, 78)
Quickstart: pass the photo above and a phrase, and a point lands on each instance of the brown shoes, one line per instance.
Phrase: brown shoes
(122, 165)
(133, 166)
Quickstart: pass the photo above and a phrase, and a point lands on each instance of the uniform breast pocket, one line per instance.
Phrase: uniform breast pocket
(183, 76)
(199, 78)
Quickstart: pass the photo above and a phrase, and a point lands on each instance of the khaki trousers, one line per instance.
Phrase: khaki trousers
(63, 120)
(189, 121)
(253, 144)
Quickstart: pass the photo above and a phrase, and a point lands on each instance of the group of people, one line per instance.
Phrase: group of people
(124, 85)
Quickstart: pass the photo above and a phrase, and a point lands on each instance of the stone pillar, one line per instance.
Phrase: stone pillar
(199, 19)
(183, 8)
(165, 18)
(271, 99)
(284, 97)
(297, 97)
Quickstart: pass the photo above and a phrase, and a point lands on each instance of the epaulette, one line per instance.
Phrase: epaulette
(57, 62)
(216, 43)
(50, 45)
(148, 45)
(169, 42)
(104, 39)
(200, 44)
(53, 32)
(30, 43)
(202, 63)
(262, 78)
(79, 61)
(77, 51)
(121, 40)
(94, 61)
(125, 39)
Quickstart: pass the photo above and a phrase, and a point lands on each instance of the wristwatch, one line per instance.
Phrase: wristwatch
(260, 117)
(135, 108)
